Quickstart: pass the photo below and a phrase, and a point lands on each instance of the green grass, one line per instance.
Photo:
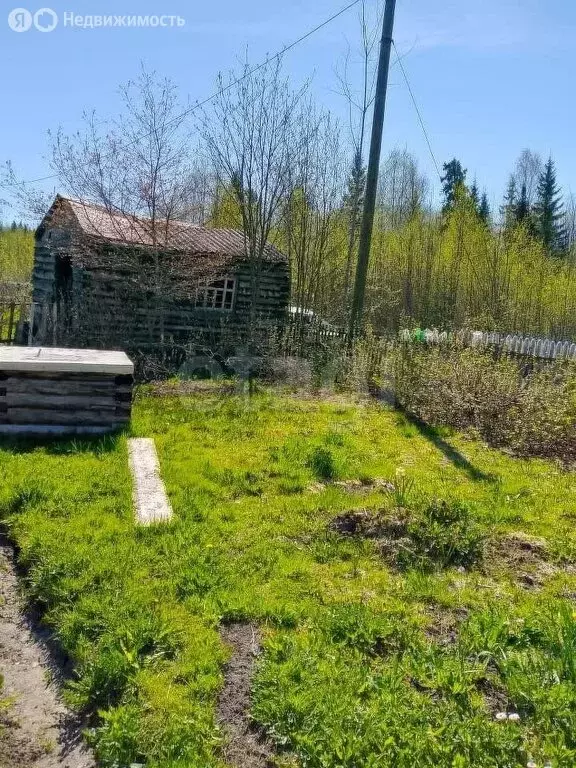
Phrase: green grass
(368, 660)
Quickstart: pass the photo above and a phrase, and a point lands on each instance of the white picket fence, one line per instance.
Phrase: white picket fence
(528, 346)
(547, 349)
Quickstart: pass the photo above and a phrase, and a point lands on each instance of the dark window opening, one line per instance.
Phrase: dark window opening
(218, 294)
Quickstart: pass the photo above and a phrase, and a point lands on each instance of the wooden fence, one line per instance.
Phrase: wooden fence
(13, 316)
(302, 340)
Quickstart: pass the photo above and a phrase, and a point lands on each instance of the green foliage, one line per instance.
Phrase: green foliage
(444, 533)
(508, 209)
(460, 273)
(322, 463)
(16, 256)
(453, 183)
(355, 189)
(548, 211)
(117, 739)
(449, 271)
(484, 209)
(535, 415)
(523, 213)
(226, 211)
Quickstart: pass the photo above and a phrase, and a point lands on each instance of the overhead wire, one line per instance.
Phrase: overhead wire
(232, 84)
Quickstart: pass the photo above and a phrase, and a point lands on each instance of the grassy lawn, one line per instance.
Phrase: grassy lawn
(390, 639)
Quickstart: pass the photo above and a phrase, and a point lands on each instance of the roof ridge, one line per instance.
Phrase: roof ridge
(124, 214)
(98, 222)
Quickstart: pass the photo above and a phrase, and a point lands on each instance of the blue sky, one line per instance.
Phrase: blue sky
(491, 76)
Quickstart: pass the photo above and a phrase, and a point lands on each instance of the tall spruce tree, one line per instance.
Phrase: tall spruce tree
(508, 208)
(549, 211)
(354, 196)
(475, 195)
(453, 180)
(484, 209)
(522, 211)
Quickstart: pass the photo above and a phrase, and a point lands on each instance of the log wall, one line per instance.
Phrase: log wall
(64, 391)
(112, 301)
(64, 402)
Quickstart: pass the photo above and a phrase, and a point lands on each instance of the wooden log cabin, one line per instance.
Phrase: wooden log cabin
(115, 281)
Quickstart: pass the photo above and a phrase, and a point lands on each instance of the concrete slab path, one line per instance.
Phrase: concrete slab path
(151, 502)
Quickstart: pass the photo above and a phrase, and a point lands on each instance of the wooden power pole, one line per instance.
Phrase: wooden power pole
(373, 169)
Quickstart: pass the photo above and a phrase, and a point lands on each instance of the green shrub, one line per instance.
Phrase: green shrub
(357, 626)
(533, 413)
(443, 534)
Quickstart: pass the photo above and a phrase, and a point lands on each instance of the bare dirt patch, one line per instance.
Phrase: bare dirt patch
(369, 524)
(246, 746)
(445, 624)
(36, 729)
(390, 533)
(353, 486)
(526, 558)
(495, 698)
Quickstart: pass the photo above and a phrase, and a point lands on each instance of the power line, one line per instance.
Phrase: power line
(230, 85)
(420, 118)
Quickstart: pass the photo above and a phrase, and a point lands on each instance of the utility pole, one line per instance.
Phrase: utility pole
(373, 169)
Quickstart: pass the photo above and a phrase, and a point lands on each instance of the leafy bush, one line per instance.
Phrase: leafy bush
(533, 413)
(443, 534)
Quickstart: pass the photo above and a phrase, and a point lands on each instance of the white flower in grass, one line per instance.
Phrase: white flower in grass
(501, 716)
(514, 717)
(531, 764)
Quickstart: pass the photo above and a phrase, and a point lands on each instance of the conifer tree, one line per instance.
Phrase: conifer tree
(508, 208)
(475, 195)
(453, 180)
(522, 211)
(353, 203)
(549, 211)
(354, 197)
(484, 209)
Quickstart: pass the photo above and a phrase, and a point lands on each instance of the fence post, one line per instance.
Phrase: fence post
(11, 323)
(31, 324)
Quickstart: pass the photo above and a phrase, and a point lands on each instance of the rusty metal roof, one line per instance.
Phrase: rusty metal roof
(123, 229)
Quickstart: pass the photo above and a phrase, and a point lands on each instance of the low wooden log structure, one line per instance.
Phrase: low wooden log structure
(49, 391)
